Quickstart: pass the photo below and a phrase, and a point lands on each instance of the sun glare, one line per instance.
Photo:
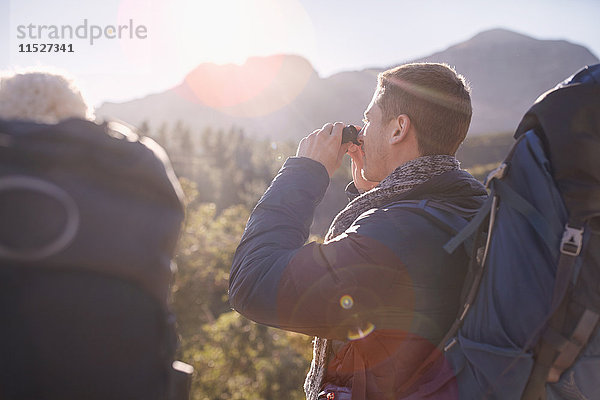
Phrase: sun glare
(184, 33)
(220, 30)
(186, 38)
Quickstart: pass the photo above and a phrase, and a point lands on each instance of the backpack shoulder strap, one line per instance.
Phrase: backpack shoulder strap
(469, 232)
(558, 350)
(446, 216)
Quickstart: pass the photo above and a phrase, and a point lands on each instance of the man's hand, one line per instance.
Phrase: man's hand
(325, 146)
(360, 182)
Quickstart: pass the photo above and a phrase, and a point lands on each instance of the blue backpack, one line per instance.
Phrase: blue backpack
(528, 327)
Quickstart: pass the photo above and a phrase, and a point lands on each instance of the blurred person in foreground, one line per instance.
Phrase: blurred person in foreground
(90, 215)
(380, 293)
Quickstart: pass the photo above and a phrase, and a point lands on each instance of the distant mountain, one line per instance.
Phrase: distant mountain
(508, 71)
(282, 96)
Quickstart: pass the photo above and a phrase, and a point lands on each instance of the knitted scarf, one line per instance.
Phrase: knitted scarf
(403, 179)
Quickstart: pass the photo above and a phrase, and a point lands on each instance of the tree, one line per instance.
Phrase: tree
(162, 136)
(234, 358)
(144, 128)
(239, 359)
(203, 259)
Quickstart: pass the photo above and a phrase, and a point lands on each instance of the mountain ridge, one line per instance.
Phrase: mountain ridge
(282, 96)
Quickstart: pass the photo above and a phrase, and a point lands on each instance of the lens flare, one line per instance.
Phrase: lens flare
(361, 332)
(346, 301)
(256, 88)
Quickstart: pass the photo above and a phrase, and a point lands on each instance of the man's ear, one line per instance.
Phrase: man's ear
(400, 127)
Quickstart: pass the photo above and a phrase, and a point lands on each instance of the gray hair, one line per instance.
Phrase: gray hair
(41, 95)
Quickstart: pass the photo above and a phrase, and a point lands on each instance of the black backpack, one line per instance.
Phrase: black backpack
(89, 218)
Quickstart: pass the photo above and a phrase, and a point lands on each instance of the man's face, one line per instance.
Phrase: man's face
(375, 143)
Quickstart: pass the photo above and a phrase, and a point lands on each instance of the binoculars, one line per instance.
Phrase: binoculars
(350, 134)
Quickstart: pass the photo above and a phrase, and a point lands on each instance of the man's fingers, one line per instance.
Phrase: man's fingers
(326, 129)
(336, 131)
(325, 146)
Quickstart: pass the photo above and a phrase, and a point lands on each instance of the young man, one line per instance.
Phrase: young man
(381, 292)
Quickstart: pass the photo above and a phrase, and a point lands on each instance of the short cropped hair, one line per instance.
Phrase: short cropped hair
(41, 96)
(436, 99)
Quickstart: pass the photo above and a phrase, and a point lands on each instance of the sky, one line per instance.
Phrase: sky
(130, 48)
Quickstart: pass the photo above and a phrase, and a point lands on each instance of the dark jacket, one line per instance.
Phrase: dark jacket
(385, 290)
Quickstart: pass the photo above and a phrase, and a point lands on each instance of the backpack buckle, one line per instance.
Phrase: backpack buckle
(497, 173)
(450, 344)
(572, 241)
